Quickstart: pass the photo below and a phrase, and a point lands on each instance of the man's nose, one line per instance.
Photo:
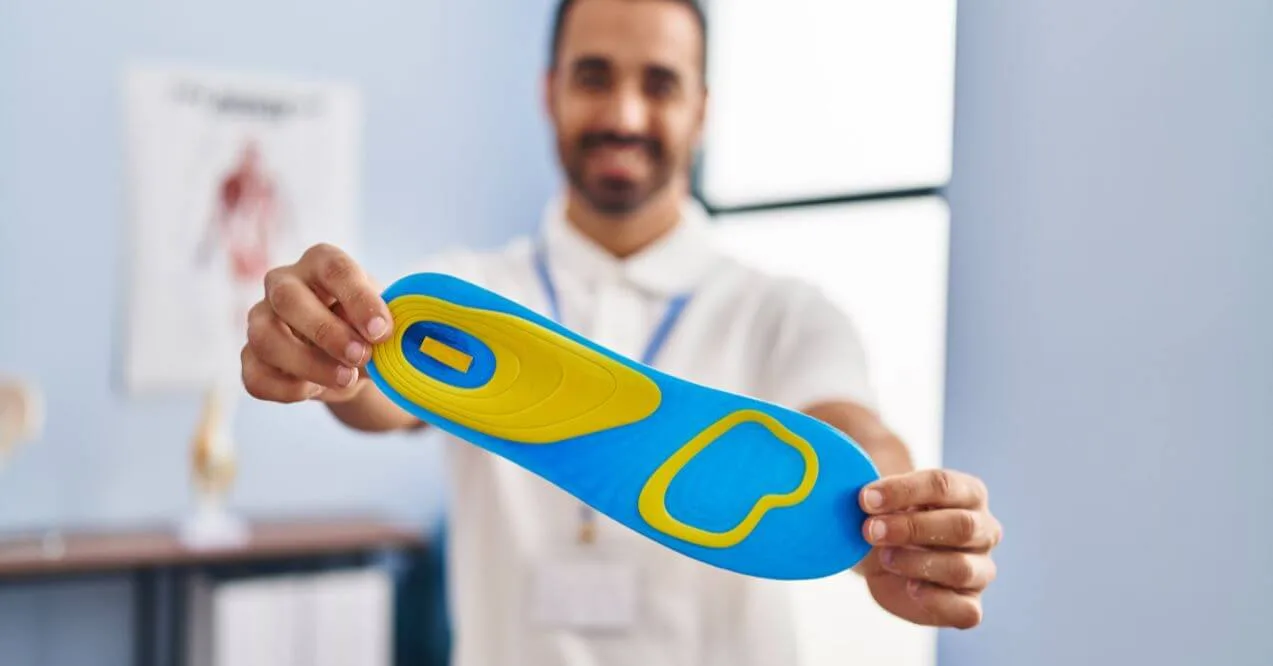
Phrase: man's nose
(627, 113)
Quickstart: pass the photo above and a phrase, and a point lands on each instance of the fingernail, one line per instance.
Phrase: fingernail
(315, 392)
(912, 588)
(376, 327)
(886, 556)
(878, 530)
(345, 376)
(874, 499)
(355, 352)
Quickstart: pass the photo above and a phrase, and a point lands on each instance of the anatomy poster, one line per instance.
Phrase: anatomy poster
(228, 175)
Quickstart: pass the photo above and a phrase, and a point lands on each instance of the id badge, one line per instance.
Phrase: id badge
(585, 593)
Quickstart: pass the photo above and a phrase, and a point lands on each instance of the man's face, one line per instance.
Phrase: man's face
(627, 99)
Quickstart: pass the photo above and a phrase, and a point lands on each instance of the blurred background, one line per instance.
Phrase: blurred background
(1052, 221)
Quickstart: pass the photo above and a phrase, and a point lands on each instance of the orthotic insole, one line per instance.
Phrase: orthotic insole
(729, 480)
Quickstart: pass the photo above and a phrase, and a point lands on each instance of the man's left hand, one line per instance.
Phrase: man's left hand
(933, 533)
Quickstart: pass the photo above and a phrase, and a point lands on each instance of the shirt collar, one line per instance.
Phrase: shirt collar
(675, 263)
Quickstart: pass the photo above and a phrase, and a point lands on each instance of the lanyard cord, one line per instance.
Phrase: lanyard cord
(674, 309)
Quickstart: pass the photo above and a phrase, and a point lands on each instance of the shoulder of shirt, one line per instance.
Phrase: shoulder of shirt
(783, 294)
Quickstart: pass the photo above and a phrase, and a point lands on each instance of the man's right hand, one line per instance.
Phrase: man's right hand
(312, 333)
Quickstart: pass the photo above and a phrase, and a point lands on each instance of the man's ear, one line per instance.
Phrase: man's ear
(548, 93)
(702, 118)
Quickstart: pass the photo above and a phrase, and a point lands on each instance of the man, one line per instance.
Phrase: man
(626, 94)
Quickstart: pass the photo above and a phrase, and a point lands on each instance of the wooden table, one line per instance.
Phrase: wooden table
(161, 565)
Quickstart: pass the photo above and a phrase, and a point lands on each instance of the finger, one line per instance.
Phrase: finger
(296, 305)
(273, 344)
(265, 383)
(955, 570)
(943, 528)
(946, 607)
(938, 488)
(336, 273)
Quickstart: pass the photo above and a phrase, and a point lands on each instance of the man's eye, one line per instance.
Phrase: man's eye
(593, 80)
(660, 84)
(659, 87)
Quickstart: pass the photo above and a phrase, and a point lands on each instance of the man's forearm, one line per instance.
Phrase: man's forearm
(369, 410)
(885, 448)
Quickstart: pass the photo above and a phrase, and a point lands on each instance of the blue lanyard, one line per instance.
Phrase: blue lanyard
(657, 340)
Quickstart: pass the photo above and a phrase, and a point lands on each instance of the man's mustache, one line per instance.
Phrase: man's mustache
(594, 140)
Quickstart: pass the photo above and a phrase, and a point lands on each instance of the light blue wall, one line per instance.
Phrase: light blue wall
(456, 151)
(1111, 333)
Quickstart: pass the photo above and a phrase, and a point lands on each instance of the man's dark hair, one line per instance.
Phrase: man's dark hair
(563, 10)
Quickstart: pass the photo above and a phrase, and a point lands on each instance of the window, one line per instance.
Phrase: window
(813, 99)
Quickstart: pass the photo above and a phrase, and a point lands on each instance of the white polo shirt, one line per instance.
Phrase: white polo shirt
(776, 339)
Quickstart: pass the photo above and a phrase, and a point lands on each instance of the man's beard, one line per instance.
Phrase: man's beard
(613, 196)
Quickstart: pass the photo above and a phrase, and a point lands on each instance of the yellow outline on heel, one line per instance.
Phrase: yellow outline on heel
(653, 501)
